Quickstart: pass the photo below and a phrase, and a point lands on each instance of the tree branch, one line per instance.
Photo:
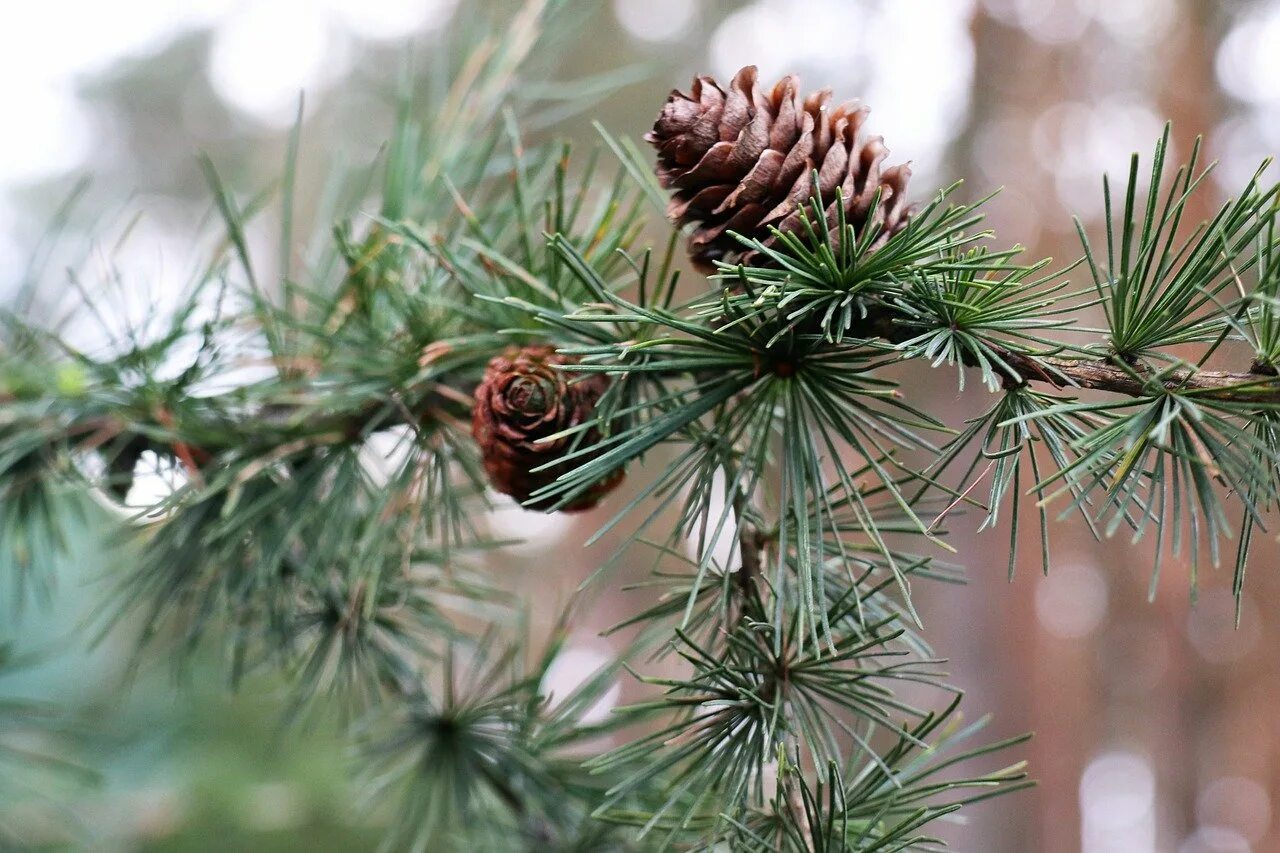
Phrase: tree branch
(1138, 381)
(1259, 385)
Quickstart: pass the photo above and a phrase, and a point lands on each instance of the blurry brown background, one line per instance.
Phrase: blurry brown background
(1157, 723)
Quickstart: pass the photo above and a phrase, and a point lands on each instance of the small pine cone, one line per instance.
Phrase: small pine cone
(523, 398)
(743, 161)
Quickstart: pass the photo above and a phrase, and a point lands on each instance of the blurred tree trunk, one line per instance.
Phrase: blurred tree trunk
(1186, 93)
(1013, 77)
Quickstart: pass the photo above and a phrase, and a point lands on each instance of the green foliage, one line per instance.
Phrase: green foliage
(323, 491)
(488, 759)
(1006, 437)
(829, 273)
(38, 768)
(884, 804)
(752, 697)
(967, 320)
(1260, 326)
(1159, 287)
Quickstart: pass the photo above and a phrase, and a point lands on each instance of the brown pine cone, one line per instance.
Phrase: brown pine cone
(743, 160)
(523, 398)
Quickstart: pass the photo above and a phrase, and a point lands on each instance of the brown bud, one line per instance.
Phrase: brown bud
(523, 398)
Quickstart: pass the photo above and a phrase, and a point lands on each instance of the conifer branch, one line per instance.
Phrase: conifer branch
(1138, 380)
(528, 308)
(1259, 385)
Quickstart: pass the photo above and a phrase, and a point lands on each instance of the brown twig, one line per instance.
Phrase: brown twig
(1259, 385)
(1137, 381)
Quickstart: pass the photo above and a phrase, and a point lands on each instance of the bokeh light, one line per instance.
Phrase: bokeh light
(1117, 804)
(919, 101)
(538, 530)
(1071, 602)
(1136, 22)
(263, 56)
(1049, 21)
(1235, 803)
(572, 667)
(1211, 627)
(717, 539)
(1248, 62)
(656, 20)
(1215, 839)
(780, 37)
(38, 80)
(920, 106)
(1077, 141)
(390, 19)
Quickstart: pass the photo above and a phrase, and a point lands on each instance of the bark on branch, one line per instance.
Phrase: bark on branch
(1136, 381)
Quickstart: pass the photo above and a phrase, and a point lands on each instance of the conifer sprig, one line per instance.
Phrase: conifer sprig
(322, 518)
(1174, 444)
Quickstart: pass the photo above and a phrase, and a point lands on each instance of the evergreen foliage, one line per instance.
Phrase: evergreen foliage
(324, 480)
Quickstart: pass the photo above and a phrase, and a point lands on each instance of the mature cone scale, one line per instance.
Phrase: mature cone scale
(743, 161)
(523, 398)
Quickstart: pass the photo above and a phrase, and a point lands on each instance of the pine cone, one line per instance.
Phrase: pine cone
(743, 160)
(523, 398)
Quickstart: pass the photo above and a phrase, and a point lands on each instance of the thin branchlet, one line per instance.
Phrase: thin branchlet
(1255, 386)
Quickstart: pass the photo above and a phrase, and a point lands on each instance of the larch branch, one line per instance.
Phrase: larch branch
(1255, 386)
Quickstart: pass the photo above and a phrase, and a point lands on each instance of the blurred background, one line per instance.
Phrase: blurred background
(1158, 724)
